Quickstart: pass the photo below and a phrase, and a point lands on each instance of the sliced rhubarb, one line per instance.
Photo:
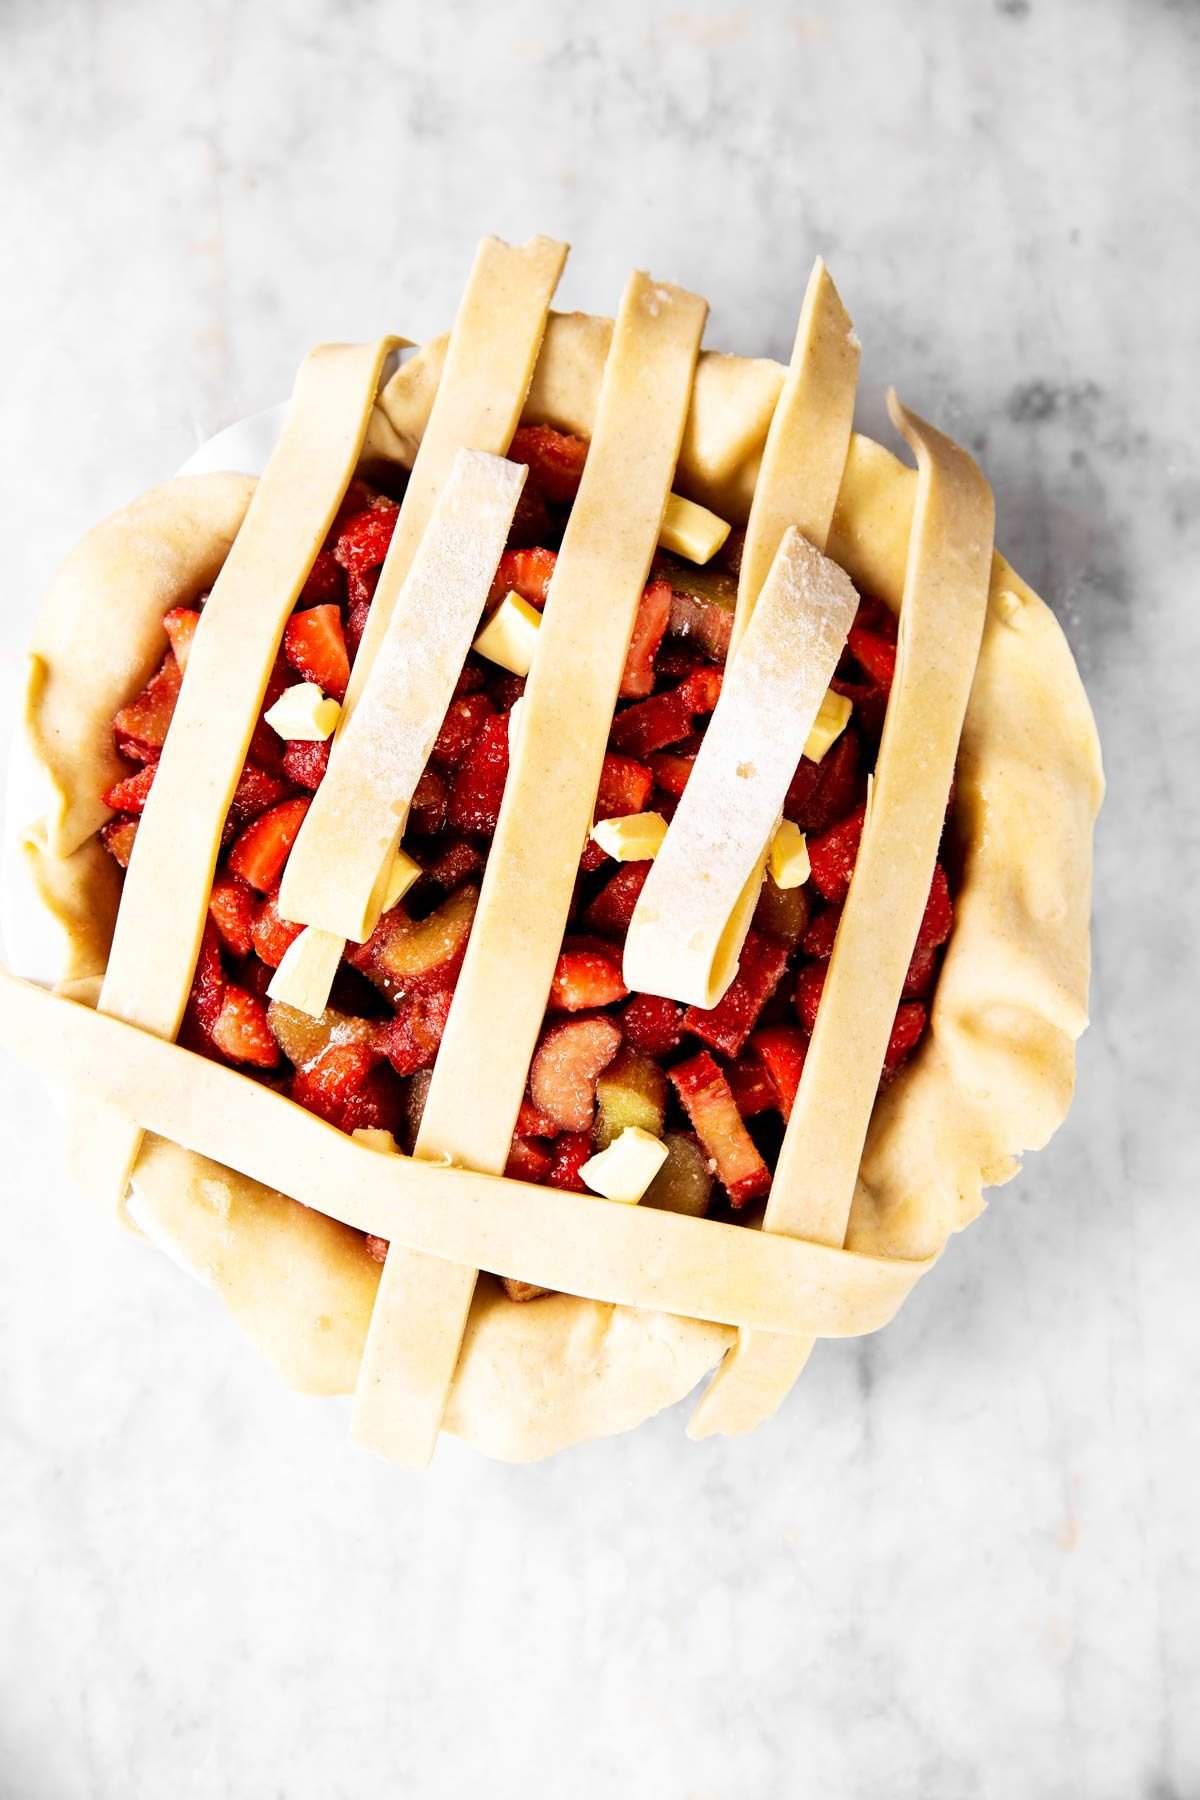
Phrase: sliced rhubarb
(672, 772)
(727, 1025)
(407, 956)
(625, 787)
(652, 724)
(325, 581)
(431, 797)
(709, 1103)
(566, 1066)
(751, 1087)
(240, 1030)
(684, 1183)
(304, 1038)
(782, 913)
(781, 1050)
(632, 1091)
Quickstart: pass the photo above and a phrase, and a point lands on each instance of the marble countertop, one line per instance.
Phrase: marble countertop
(963, 1562)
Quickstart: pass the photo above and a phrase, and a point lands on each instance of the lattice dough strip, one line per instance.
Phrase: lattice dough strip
(627, 1255)
(164, 901)
(419, 1318)
(941, 626)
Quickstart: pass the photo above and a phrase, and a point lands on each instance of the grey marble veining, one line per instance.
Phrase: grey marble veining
(963, 1564)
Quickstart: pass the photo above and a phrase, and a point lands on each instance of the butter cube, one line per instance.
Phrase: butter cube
(305, 976)
(690, 530)
(403, 873)
(828, 725)
(303, 713)
(625, 1170)
(371, 1138)
(510, 635)
(788, 861)
(635, 838)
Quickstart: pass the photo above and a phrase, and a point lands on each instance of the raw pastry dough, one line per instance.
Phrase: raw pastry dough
(941, 624)
(419, 1320)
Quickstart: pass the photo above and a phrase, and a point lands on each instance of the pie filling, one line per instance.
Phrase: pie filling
(716, 1086)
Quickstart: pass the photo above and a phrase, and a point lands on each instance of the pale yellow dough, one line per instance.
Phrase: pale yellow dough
(993, 1078)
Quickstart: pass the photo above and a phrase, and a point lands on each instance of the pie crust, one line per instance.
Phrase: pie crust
(992, 1078)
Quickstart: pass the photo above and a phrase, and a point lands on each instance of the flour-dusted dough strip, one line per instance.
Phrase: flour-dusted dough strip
(499, 1002)
(805, 454)
(693, 914)
(489, 365)
(690, 922)
(342, 859)
(630, 1255)
(164, 902)
(941, 626)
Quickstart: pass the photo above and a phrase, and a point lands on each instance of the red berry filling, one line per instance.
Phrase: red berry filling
(729, 1074)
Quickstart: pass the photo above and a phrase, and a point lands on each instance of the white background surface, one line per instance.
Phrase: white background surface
(963, 1563)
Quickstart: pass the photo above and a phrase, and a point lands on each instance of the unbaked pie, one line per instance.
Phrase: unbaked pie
(583, 815)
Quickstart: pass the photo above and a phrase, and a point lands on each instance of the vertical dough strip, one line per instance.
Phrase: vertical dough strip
(941, 625)
(479, 1077)
(164, 902)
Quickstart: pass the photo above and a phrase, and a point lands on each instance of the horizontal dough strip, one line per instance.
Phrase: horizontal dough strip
(629, 1255)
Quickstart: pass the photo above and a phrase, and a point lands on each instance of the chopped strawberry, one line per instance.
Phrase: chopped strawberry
(703, 622)
(571, 1151)
(208, 980)
(180, 626)
(306, 762)
(922, 972)
(709, 1103)
(461, 726)
(810, 984)
(938, 920)
(612, 909)
(472, 678)
(531, 521)
(357, 615)
(727, 1025)
(363, 540)
(262, 849)
(479, 779)
(554, 458)
(130, 795)
(652, 724)
(524, 572)
(527, 1161)
(378, 1105)
(817, 941)
(649, 629)
(315, 645)
(566, 1066)
(117, 837)
(702, 688)
(266, 745)
(781, 1050)
(751, 1087)
(406, 956)
(869, 703)
(671, 772)
(875, 655)
(271, 934)
(653, 1024)
(256, 792)
(240, 1030)
(910, 1023)
(833, 855)
(141, 727)
(457, 863)
(328, 1085)
(588, 974)
(325, 584)
(625, 787)
(414, 1035)
(534, 1124)
(875, 615)
(232, 907)
(822, 793)
(429, 802)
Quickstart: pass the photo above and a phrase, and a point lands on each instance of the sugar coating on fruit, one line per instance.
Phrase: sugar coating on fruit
(637, 837)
